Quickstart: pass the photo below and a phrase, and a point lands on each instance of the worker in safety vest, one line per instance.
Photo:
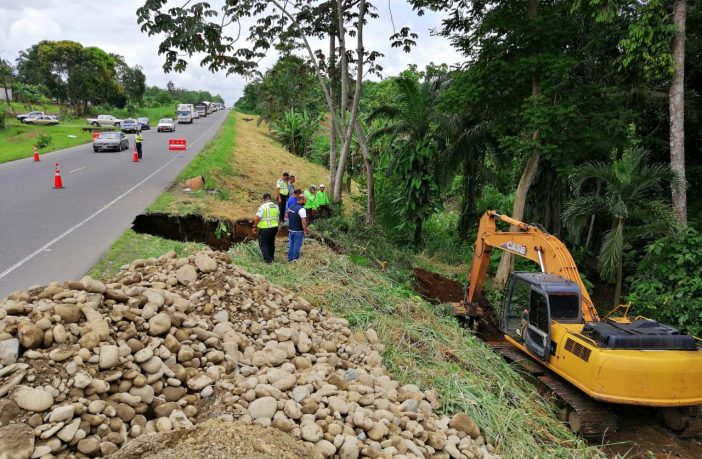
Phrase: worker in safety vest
(282, 193)
(297, 227)
(266, 227)
(323, 209)
(138, 139)
(311, 202)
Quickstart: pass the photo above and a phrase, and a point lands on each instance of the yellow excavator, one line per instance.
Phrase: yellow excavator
(549, 316)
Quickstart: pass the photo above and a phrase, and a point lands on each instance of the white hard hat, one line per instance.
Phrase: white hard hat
(321, 185)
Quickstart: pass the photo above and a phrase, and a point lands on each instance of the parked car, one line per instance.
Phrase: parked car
(42, 119)
(166, 124)
(21, 118)
(145, 126)
(130, 125)
(111, 141)
(105, 120)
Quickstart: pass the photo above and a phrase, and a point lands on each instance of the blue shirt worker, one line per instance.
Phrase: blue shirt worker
(266, 227)
(297, 228)
(293, 198)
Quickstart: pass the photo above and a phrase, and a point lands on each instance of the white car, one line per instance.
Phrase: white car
(105, 120)
(166, 124)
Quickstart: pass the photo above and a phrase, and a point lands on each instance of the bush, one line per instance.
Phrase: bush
(319, 152)
(296, 131)
(3, 120)
(43, 140)
(667, 284)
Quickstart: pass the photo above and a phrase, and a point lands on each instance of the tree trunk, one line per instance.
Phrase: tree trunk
(334, 126)
(418, 229)
(370, 174)
(676, 102)
(348, 135)
(507, 261)
(591, 230)
(7, 95)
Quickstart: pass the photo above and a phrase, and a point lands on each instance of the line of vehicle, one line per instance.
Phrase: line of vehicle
(84, 221)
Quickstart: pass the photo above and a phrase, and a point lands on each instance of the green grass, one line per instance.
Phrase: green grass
(426, 346)
(131, 246)
(214, 163)
(18, 140)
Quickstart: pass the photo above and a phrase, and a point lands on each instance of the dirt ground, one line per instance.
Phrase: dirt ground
(436, 288)
(217, 440)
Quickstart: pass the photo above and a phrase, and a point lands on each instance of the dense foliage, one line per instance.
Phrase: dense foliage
(528, 126)
(667, 283)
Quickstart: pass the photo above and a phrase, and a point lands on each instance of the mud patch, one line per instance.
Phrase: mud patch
(436, 288)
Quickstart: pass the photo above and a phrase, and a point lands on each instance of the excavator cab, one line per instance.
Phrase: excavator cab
(532, 301)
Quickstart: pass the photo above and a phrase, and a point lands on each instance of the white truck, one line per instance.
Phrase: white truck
(185, 113)
(105, 120)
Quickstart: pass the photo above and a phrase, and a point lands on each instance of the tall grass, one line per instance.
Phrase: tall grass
(426, 346)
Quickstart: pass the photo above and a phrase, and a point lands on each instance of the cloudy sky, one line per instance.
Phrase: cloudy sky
(111, 25)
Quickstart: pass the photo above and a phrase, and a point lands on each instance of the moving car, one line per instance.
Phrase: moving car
(22, 117)
(166, 124)
(111, 141)
(105, 120)
(44, 120)
(130, 125)
(145, 126)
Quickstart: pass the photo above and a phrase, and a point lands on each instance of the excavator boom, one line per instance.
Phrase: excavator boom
(527, 241)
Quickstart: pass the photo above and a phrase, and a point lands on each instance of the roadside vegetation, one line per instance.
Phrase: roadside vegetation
(72, 82)
(370, 285)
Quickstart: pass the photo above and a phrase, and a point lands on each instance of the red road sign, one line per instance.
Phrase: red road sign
(177, 144)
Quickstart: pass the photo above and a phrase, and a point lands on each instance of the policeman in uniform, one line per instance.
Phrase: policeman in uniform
(137, 141)
(282, 193)
(266, 227)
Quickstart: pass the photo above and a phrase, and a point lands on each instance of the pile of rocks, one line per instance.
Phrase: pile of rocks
(85, 367)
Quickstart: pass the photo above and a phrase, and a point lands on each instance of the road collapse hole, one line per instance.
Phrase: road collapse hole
(220, 234)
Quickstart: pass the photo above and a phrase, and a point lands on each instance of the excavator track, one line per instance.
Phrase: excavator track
(585, 416)
(685, 421)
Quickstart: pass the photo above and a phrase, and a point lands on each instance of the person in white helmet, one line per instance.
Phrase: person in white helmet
(323, 209)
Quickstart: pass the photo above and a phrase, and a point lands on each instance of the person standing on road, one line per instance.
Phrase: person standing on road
(266, 227)
(297, 228)
(282, 193)
(138, 139)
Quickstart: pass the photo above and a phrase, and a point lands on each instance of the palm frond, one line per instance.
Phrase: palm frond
(611, 252)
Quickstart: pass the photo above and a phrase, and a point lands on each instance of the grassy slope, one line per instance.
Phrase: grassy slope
(241, 174)
(18, 140)
(424, 343)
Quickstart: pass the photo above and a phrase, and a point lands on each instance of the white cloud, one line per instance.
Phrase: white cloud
(112, 26)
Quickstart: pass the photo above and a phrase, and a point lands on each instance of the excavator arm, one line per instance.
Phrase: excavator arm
(528, 241)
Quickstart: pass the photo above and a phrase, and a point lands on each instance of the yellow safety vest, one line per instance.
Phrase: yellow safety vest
(270, 217)
(282, 186)
(139, 139)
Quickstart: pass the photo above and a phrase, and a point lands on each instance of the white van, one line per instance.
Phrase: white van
(185, 113)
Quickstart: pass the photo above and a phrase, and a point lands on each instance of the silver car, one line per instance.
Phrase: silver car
(110, 141)
(166, 124)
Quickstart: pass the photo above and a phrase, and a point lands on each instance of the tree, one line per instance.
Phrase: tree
(412, 127)
(188, 29)
(132, 79)
(628, 200)
(71, 73)
(6, 78)
(676, 98)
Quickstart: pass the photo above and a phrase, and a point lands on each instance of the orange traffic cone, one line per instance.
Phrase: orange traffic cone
(36, 154)
(58, 183)
(135, 157)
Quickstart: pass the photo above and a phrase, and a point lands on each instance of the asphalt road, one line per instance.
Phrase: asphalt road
(54, 235)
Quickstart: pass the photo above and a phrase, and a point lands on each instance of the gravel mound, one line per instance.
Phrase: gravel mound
(172, 343)
(216, 440)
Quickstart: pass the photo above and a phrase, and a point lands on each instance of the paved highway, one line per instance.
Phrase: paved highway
(48, 234)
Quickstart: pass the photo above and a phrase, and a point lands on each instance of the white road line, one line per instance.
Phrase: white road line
(76, 170)
(83, 222)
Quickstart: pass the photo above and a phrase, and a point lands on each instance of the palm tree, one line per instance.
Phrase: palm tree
(628, 198)
(411, 126)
